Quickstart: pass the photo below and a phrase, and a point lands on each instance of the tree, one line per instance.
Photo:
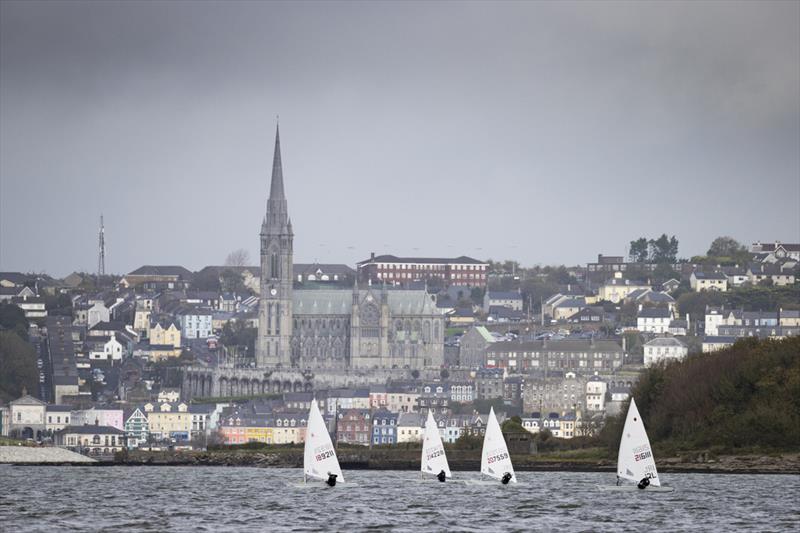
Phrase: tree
(664, 272)
(725, 247)
(13, 318)
(231, 281)
(640, 250)
(444, 373)
(415, 374)
(238, 258)
(664, 249)
(207, 280)
(17, 366)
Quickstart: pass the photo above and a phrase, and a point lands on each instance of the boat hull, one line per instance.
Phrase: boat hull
(633, 488)
(487, 483)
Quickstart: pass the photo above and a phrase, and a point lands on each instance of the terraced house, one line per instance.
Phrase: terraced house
(566, 355)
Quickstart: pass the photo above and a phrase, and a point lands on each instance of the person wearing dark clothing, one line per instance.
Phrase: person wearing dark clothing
(506, 478)
(441, 476)
(331, 481)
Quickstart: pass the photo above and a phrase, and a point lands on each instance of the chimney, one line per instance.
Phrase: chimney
(372, 256)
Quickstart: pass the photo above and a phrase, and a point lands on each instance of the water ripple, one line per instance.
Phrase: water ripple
(218, 500)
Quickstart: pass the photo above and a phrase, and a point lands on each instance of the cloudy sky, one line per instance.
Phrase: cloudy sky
(539, 131)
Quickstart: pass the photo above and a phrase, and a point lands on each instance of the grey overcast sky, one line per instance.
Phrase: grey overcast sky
(546, 132)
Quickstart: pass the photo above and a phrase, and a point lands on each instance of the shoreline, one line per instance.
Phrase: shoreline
(408, 460)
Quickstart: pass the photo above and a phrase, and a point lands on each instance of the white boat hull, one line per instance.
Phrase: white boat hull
(633, 488)
(319, 484)
(487, 483)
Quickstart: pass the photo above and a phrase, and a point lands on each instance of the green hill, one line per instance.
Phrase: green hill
(744, 397)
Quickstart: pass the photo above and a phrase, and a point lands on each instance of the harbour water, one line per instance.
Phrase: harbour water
(217, 499)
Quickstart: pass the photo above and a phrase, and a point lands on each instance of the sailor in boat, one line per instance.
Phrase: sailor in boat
(441, 476)
(331, 481)
(644, 483)
(506, 478)
(617, 481)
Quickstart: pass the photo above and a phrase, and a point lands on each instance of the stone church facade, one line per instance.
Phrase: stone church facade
(312, 329)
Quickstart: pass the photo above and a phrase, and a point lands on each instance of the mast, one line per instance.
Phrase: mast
(101, 259)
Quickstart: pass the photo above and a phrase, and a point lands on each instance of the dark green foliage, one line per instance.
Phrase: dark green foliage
(743, 397)
(13, 318)
(725, 247)
(694, 303)
(764, 298)
(17, 367)
(236, 333)
(639, 251)
(206, 280)
(58, 304)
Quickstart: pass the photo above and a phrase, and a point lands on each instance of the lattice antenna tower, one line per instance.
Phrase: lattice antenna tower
(101, 259)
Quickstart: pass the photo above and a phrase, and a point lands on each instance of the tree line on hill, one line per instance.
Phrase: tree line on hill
(744, 397)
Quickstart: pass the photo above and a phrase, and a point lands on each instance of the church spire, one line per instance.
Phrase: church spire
(276, 187)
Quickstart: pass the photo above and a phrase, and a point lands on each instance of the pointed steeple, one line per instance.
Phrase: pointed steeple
(276, 186)
(277, 216)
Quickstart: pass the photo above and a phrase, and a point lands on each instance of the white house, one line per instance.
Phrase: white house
(97, 313)
(195, 323)
(510, 299)
(99, 416)
(654, 319)
(708, 281)
(94, 440)
(664, 349)
(112, 351)
(714, 343)
(409, 428)
(532, 425)
(27, 417)
(719, 316)
(596, 389)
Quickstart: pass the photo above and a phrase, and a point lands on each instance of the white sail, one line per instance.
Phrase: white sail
(495, 459)
(434, 459)
(319, 459)
(635, 461)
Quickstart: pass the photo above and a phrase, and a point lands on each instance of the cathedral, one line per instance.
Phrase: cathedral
(338, 329)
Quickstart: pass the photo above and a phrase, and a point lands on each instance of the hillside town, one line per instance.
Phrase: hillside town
(118, 358)
(164, 357)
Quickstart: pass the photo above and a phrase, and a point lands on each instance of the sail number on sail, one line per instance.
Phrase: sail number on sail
(494, 456)
(641, 453)
(323, 452)
(437, 452)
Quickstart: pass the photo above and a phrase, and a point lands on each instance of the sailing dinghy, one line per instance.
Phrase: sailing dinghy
(434, 460)
(495, 459)
(635, 461)
(319, 459)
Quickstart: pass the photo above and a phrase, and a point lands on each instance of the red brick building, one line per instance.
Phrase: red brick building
(354, 426)
(392, 269)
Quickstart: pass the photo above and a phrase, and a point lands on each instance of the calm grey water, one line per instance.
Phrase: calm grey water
(254, 499)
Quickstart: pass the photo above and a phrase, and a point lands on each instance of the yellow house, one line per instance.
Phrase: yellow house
(168, 420)
(160, 335)
(259, 434)
(288, 428)
(141, 322)
(617, 289)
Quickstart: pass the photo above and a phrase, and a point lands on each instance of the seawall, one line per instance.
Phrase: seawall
(41, 455)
